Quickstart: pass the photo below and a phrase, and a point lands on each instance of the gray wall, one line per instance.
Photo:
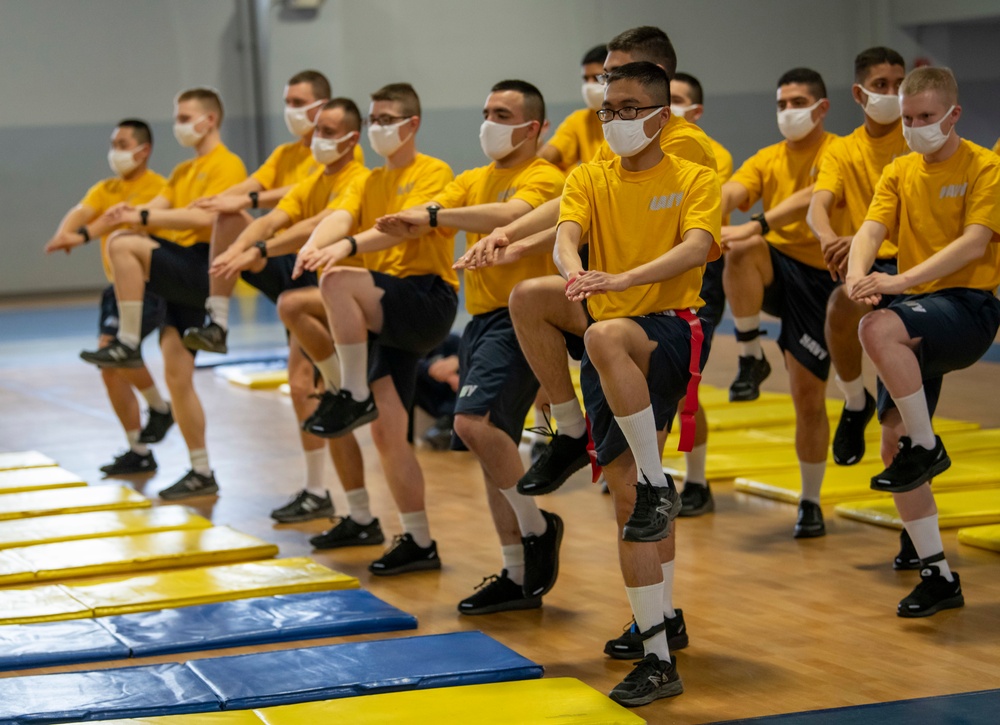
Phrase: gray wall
(72, 69)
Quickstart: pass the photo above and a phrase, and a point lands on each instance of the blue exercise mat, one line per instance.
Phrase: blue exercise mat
(170, 689)
(47, 644)
(361, 668)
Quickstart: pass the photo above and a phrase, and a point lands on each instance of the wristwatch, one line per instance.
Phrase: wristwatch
(254, 199)
(764, 226)
(432, 211)
(83, 232)
(262, 246)
(144, 217)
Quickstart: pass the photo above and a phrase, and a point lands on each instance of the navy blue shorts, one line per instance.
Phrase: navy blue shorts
(494, 377)
(276, 277)
(956, 327)
(669, 373)
(180, 276)
(713, 294)
(154, 311)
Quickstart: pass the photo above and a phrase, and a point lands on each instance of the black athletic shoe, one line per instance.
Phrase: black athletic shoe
(913, 466)
(651, 679)
(348, 532)
(541, 557)
(438, 436)
(907, 558)
(339, 413)
(932, 594)
(537, 449)
(304, 506)
(562, 457)
(130, 463)
(404, 555)
(629, 645)
(190, 485)
(114, 355)
(498, 594)
(157, 426)
(655, 508)
(849, 440)
(753, 371)
(210, 338)
(810, 522)
(696, 499)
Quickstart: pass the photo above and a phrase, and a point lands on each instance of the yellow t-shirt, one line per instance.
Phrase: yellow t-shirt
(205, 175)
(996, 147)
(534, 182)
(724, 162)
(851, 167)
(633, 218)
(678, 138)
(578, 138)
(290, 163)
(105, 194)
(773, 174)
(931, 204)
(387, 191)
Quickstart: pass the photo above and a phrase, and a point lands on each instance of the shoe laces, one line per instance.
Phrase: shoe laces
(544, 430)
(487, 580)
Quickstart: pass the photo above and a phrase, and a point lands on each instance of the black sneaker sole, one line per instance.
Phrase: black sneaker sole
(193, 494)
(674, 644)
(317, 542)
(672, 690)
(949, 603)
(299, 518)
(554, 485)
(422, 565)
(108, 471)
(937, 469)
(127, 364)
(363, 420)
(514, 605)
(196, 342)
(816, 533)
(632, 536)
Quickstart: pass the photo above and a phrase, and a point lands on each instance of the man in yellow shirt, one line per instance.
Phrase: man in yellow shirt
(579, 135)
(652, 221)
(264, 254)
(943, 204)
(780, 268)
(496, 386)
(133, 183)
(848, 172)
(175, 263)
(405, 299)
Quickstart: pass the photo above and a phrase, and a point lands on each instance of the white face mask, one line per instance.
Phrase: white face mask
(593, 95)
(297, 119)
(324, 150)
(496, 139)
(796, 123)
(186, 135)
(122, 161)
(881, 108)
(681, 111)
(927, 139)
(627, 138)
(385, 140)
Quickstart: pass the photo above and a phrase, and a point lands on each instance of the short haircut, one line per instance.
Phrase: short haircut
(650, 76)
(140, 129)
(807, 77)
(597, 54)
(534, 104)
(208, 99)
(930, 78)
(401, 93)
(649, 44)
(318, 81)
(697, 95)
(350, 109)
(875, 56)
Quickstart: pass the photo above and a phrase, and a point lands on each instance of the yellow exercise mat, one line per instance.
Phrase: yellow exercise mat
(757, 414)
(203, 585)
(131, 553)
(713, 397)
(955, 509)
(984, 537)
(69, 500)
(254, 376)
(24, 459)
(19, 480)
(44, 603)
(227, 717)
(526, 702)
(98, 524)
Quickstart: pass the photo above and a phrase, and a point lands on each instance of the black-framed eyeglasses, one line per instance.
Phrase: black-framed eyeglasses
(627, 113)
(385, 120)
(602, 78)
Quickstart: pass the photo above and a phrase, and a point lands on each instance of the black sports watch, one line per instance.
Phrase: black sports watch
(254, 199)
(144, 217)
(764, 226)
(84, 232)
(262, 246)
(432, 211)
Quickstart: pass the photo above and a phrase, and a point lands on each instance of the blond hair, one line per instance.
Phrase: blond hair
(207, 97)
(941, 80)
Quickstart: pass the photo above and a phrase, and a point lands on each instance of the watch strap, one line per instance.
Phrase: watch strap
(262, 246)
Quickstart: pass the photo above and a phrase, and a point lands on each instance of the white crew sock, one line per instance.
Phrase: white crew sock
(529, 516)
(647, 608)
(315, 470)
(329, 369)
(854, 392)
(513, 562)
(751, 347)
(217, 307)
(357, 506)
(640, 432)
(416, 525)
(199, 461)
(354, 370)
(130, 323)
(569, 418)
(695, 463)
(812, 480)
(154, 400)
(926, 537)
(668, 589)
(133, 442)
(916, 418)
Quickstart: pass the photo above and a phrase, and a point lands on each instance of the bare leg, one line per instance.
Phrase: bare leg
(402, 471)
(178, 365)
(226, 229)
(747, 272)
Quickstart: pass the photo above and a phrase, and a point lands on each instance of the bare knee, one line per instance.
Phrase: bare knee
(604, 342)
(530, 297)
(291, 305)
(470, 428)
(877, 328)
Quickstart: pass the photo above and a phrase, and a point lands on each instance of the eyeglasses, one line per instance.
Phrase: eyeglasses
(385, 120)
(626, 114)
(602, 78)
